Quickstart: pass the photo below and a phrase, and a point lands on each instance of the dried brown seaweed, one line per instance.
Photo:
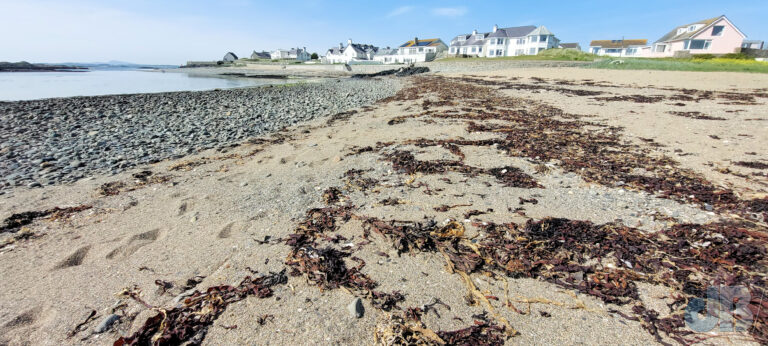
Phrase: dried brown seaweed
(14, 222)
(189, 322)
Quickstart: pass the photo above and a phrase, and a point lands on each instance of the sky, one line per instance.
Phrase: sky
(176, 31)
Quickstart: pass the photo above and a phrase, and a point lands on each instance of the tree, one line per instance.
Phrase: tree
(314, 56)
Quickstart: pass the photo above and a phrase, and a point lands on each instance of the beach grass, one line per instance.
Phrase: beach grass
(555, 54)
(683, 64)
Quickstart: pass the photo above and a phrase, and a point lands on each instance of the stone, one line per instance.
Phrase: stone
(106, 323)
(355, 308)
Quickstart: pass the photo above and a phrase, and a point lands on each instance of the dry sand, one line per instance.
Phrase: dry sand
(211, 220)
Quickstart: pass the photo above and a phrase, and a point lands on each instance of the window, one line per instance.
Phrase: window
(661, 48)
(499, 52)
(412, 51)
(717, 30)
(692, 28)
(461, 38)
(631, 51)
(700, 44)
(421, 49)
(533, 51)
(521, 41)
(543, 38)
(491, 53)
(474, 49)
(453, 50)
(596, 50)
(613, 51)
(480, 49)
(533, 38)
(519, 52)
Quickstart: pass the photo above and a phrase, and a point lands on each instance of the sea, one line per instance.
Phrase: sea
(16, 86)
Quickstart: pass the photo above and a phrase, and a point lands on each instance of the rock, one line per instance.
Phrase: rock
(34, 184)
(106, 323)
(336, 158)
(244, 184)
(355, 308)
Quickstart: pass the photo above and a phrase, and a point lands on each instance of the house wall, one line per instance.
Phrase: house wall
(726, 43)
(623, 52)
(510, 47)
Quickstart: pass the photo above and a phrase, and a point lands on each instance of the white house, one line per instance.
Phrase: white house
(415, 50)
(618, 48)
(299, 54)
(514, 41)
(351, 53)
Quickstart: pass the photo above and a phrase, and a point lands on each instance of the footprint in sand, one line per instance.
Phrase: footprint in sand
(226, 232)
(75, 259)
(182, 209)
(135, 243)
(26, 318)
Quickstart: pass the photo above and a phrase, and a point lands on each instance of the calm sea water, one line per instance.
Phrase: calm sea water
(16, 86)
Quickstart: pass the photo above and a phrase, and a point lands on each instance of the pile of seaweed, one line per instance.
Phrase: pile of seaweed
(546, 134)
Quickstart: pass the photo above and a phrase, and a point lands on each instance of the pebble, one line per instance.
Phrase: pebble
(355, 308)
(106, 323)
(110, 134)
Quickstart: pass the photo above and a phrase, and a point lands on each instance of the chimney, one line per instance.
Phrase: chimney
(495, 28)
(415, 41)
(474, 32)
(349, 41)
(341, 45)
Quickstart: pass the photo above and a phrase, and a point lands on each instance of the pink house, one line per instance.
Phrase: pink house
(710, 36)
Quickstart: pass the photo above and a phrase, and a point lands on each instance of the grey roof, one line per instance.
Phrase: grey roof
(752, 41)
(359, 48)
(472, 41)
(517, 31)
(386, 51)
(261, 55)
(674, 36)
(570, 45)
(542, 30)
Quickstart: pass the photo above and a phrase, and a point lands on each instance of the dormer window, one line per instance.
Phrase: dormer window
(692, 28)
(478, 37)
(461, 38)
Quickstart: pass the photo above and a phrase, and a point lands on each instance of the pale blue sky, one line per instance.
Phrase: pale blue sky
(174, 31)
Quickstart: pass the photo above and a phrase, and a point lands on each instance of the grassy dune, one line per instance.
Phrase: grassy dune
(690, 64)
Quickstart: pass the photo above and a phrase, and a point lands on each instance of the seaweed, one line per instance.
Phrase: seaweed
(14, 222)
(189, 322)
(752, 164)
(696, 115)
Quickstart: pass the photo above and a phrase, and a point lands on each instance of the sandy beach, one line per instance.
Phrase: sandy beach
(472, 204)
